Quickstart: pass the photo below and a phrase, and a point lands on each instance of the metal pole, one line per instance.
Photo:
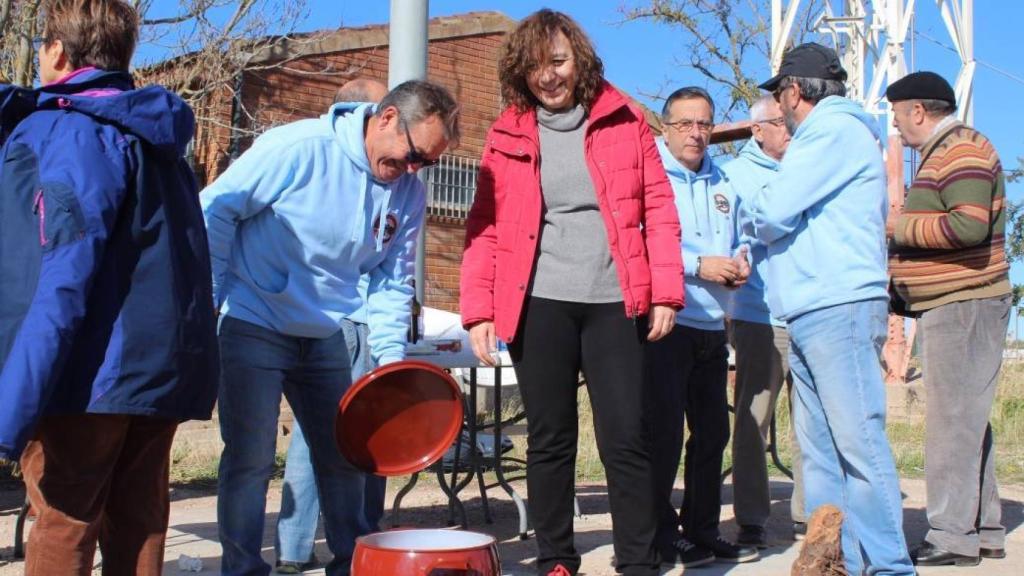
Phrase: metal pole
(967, 33)
(407, 54)
(407, 60)
(778, 34)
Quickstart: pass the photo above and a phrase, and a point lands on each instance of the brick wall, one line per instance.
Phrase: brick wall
(305, 88)
(444, 256)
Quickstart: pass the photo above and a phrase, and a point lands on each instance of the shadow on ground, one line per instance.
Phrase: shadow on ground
(194, 532)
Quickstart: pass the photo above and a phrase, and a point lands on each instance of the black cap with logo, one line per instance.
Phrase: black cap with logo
(808, 60)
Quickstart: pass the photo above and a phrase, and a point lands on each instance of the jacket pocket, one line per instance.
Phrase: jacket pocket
(61, 220)
(510, 147)
(513, 177)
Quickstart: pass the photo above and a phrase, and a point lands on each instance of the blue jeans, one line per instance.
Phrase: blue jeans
(300, 502)
(257, 365)
(839, 414)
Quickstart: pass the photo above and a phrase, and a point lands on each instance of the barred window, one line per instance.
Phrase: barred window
(451, 186)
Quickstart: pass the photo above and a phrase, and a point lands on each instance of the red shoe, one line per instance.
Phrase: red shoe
(559, 570)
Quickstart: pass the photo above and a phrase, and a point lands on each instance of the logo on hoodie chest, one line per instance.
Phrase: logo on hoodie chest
(722, 203)
(390, 226)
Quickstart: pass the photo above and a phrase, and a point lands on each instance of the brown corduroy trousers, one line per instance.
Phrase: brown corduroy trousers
(98, 477)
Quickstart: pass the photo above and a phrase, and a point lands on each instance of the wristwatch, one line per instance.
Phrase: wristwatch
(697, 271)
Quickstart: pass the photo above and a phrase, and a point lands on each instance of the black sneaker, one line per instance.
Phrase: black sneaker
(993, 553)
(292, 567)
(752, 536)
(725, 551)
(799, 531)
(684, 553)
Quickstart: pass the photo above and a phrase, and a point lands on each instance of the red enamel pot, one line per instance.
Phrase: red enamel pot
(399, 419)
(426, 553)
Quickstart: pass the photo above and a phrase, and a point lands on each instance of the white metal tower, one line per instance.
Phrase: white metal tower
(870, 36)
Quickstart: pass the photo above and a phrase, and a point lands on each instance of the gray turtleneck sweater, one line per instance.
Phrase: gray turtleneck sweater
(573, 263)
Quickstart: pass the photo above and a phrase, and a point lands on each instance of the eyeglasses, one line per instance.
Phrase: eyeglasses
(777, 93)
(778, 121)
(414, 156)
(687, 125)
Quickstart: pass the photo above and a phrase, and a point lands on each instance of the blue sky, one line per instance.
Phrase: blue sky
(645, 58)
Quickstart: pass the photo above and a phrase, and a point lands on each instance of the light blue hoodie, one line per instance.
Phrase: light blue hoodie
(706, 207)
(359, 315)
(748, 173)
(297, 219)
(823, 217)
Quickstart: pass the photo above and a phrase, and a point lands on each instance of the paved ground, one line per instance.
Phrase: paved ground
(193, 531)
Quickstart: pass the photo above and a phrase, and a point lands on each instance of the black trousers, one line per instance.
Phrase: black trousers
(687, 373)
(556, 340)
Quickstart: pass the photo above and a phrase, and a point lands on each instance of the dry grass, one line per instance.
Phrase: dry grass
(1008, 424)
(193, 468)
(906, 437)
(198, 469)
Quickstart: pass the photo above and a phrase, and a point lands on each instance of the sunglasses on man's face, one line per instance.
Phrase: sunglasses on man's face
(777, 93)
(414, 156)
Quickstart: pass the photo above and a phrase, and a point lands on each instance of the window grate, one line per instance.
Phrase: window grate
(451, 186)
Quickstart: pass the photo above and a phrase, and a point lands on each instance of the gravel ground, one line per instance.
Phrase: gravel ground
(193, 530)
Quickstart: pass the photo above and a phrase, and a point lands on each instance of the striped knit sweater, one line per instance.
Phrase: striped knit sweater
(949, 242)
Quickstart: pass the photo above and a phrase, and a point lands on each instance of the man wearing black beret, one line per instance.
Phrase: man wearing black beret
(948, 265)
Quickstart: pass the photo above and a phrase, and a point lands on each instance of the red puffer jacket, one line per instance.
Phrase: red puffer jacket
(633, 193)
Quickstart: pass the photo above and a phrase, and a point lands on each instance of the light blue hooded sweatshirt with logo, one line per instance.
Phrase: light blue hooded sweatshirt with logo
(298, 218)
(823, 217)
(748, 173)
(706, 207)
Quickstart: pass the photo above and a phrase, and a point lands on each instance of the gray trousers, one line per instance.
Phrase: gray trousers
(962, 350)
(762, 365)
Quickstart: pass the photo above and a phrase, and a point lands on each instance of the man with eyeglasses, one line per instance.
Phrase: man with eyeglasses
(822, 219)
(300, 503)
(687, 369)
(293, 224)
(761, 342)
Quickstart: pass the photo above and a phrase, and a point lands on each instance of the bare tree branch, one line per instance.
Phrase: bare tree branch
(23, 65)
(727, 40)
(5, 13)
(196, 9)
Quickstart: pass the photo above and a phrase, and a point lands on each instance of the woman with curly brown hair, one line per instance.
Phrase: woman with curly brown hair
(572, 258)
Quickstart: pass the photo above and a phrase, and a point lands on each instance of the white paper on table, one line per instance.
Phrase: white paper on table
(446, 344)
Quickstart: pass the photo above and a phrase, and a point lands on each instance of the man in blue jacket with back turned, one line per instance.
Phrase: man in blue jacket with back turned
(823, 222)
(293, 225)
(106, 320)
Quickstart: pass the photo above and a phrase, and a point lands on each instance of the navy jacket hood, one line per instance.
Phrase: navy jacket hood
(153, 114)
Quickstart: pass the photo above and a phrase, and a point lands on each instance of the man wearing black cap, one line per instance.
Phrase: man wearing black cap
(949, 266)
(822, 219)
